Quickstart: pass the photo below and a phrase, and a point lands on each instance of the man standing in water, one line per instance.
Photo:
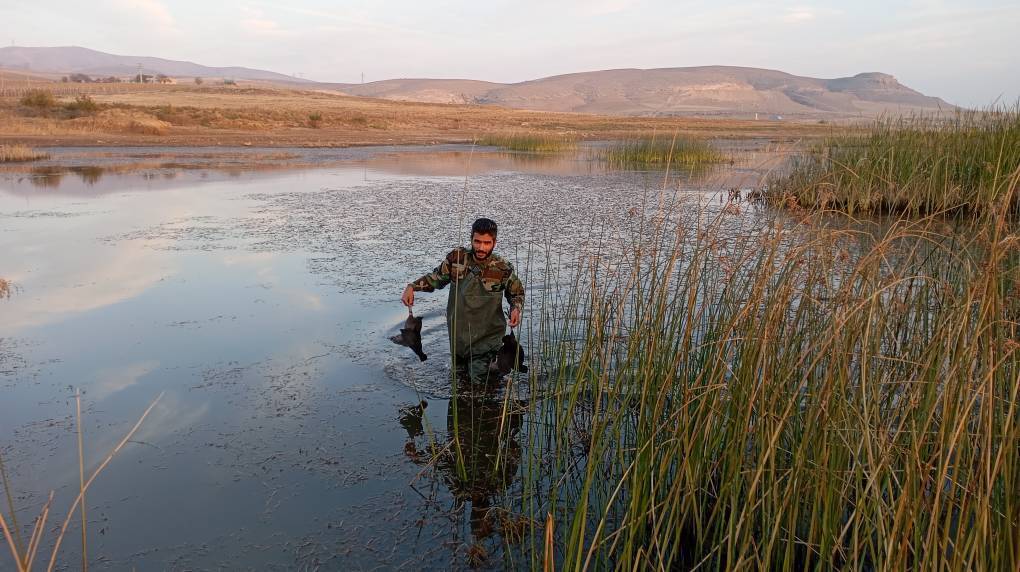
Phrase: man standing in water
(474, 313)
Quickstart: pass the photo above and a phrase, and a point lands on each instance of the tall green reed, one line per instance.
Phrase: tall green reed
(661, 151)
(916, 166)
(529, 142)
(787, 394)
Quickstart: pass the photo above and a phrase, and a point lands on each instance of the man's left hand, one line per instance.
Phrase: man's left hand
(515, 317)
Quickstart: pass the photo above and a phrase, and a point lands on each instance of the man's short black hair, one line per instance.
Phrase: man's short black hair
(484, 226)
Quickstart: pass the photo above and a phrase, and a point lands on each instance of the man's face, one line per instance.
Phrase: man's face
(482, 245)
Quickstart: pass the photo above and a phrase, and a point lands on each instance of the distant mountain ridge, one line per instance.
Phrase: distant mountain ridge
(74, 59)
(706, 90)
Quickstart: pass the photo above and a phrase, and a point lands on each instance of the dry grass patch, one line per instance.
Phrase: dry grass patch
(20, 153)
(284, 117)
(123, 121)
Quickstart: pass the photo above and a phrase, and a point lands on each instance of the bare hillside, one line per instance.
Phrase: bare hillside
(714, 90)
(73, 59)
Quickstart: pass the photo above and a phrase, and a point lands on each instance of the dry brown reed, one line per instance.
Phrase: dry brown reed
(25, 557)
(20, 153)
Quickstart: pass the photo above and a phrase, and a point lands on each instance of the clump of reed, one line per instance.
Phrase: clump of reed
(5, 288)
(529, 142)
(659, 152)
(20, 153)
(916, 165)
(784, 395)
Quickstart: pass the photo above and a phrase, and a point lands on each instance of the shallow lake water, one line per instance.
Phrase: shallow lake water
(259, 302)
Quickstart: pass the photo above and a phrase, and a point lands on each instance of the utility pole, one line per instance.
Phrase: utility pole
(362, 77)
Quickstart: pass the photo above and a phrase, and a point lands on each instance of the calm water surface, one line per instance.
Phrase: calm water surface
(260, 302)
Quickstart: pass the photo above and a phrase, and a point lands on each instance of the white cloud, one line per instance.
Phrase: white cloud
(798, 16)
(115, 379)
(604, 7)
(76, 284)
(258, 23)
(261, 26)
(151, 11)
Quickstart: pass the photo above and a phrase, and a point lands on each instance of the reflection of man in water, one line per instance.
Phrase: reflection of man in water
(481, 455)
(474, 313)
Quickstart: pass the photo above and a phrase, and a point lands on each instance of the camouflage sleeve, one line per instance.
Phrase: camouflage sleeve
(514, 291)
(435, 280)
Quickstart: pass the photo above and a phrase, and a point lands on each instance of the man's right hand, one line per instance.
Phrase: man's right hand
(408, 297)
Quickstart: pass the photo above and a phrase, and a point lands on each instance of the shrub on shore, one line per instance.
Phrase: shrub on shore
(82, 105)
(38, 99)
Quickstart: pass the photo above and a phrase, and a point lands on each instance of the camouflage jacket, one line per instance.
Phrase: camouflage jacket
(496, 274)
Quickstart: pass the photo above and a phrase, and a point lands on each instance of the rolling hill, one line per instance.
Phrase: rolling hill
(73, 59)
(712, 90)
(722, 91)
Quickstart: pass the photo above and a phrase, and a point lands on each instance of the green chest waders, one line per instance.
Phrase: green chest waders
(475, 320)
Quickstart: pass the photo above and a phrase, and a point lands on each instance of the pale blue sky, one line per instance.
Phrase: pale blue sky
(964, 52)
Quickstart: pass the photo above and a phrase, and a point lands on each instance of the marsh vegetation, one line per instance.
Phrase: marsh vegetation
(530, 142)
(710, 388)
(20, 153)
(914, 166)
(644, 151)
(783, 395)
(659, 151)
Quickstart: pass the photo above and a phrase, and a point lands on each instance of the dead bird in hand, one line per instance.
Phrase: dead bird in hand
(510, 357)
(410, 336)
